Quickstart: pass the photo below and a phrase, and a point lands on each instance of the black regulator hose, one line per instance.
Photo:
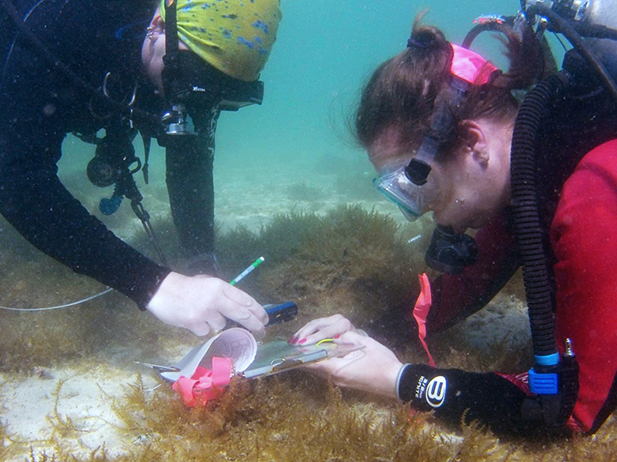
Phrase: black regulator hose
(526, 213)
(560, 25)
(489, 26)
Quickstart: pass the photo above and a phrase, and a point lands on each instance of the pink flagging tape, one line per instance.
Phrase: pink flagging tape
(420, 312)
(205, 384)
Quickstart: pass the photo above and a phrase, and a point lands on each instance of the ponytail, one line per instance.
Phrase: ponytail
(526, 56)
(401, 93)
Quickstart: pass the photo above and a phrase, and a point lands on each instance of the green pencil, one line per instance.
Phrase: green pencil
(244, 273)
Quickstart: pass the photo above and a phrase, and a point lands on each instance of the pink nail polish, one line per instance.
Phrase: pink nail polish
(292, 340)
(302, 341)
(337, 336)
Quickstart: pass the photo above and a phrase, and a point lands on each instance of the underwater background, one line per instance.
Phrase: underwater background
(290, 185)
(324, 53)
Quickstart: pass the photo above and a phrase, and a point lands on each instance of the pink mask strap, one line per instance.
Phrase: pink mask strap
(470, 66)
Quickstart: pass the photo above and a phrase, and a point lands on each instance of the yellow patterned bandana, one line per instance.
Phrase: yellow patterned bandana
(234, 36)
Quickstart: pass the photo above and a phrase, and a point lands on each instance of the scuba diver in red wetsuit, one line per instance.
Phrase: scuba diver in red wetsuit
(539, 182)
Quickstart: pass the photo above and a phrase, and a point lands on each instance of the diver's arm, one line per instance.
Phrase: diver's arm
(39, 106)
(35, 202)
(457, 396)
(454, 395)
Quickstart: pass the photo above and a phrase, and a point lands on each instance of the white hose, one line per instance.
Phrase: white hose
(59, 306)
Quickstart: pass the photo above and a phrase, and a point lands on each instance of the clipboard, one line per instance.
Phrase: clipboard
(250, 359)
(278, 356)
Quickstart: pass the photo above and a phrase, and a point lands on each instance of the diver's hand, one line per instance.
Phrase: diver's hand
(319, 329)
(373, 368)
(201, 304)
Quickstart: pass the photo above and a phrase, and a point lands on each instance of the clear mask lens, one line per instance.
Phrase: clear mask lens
(410, 198)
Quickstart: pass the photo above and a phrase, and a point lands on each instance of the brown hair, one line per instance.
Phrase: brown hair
(402, 91)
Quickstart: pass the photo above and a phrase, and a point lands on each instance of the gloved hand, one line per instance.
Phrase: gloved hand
(201, 304)
(373, 368)
(321, 328)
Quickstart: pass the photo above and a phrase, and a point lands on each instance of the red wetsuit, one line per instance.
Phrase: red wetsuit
(583, 237)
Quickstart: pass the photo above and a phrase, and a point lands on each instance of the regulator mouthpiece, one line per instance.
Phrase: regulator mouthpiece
(449, 252)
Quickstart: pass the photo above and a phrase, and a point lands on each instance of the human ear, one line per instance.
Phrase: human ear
(476, 141)
(157, 25)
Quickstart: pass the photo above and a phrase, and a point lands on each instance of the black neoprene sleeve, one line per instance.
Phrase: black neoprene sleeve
(462, 397)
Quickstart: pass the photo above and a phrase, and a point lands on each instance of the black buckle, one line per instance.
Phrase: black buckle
(417, 171)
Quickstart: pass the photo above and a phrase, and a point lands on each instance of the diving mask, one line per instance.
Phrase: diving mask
(409, 197)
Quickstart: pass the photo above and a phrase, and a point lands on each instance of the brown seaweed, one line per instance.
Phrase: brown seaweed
(349, 260)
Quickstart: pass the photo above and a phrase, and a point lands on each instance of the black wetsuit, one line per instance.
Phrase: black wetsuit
(40, 105)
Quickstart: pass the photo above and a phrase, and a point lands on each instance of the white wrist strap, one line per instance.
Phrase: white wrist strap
(398, 379)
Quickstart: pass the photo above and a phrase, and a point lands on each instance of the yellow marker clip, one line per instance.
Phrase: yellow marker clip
(326, 340)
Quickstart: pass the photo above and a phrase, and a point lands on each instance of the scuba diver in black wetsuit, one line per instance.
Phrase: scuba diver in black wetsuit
(81, 65)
